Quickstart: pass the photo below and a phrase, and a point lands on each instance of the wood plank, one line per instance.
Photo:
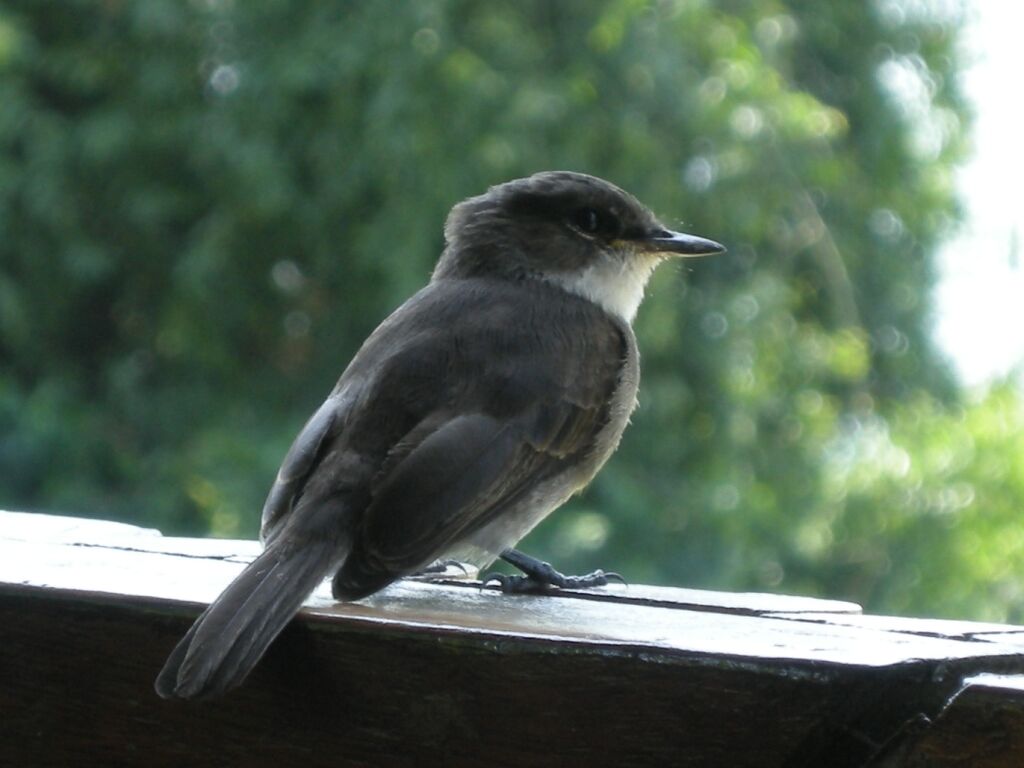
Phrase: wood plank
(942, 628)
(29, 528)
(982, 726)
(448, 673)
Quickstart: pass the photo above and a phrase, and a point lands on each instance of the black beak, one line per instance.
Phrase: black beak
(667, 241)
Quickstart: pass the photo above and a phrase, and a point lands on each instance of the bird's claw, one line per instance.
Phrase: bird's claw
(546, 577)
(438, 570)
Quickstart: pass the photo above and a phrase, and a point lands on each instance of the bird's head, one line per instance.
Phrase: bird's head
(574, 230)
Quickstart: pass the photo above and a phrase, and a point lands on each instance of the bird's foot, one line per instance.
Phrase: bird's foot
(541, 577)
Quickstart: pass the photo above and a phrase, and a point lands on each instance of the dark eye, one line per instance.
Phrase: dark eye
(589, 221)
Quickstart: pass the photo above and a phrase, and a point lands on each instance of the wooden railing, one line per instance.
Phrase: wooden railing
(450, 674)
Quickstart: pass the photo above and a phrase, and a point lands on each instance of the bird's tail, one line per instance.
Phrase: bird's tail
(232, 634)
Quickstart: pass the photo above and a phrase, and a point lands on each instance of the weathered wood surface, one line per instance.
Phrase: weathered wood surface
(432, 674)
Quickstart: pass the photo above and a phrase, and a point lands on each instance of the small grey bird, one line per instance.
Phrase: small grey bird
(472, 412)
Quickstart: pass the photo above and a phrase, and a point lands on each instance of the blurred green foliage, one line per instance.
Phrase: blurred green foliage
(206, 206)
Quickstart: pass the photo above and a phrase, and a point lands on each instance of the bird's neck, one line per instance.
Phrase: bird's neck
(615, 285)
(614, 282)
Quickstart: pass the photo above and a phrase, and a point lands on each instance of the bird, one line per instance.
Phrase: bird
(474, 410)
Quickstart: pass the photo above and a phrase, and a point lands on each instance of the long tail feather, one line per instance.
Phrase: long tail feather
(230, 637)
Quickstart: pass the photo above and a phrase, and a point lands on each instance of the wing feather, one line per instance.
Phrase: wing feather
(456, 480)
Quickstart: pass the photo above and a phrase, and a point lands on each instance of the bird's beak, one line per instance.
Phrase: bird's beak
(679, 243)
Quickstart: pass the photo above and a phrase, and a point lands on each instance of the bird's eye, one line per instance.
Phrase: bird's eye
(588, 221)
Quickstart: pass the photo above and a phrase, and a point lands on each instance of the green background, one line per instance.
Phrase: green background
(206, 206)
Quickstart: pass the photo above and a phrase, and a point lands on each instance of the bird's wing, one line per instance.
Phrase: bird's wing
(457, 475)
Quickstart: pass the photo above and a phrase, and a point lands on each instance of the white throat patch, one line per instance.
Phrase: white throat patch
(615, 284)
